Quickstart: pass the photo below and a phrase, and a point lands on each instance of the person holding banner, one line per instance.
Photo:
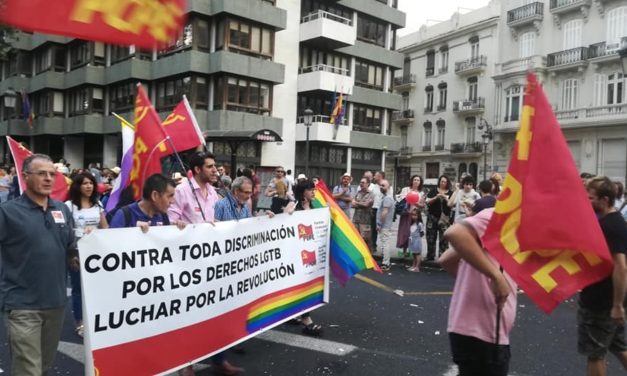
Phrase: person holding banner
(483, 305)
(195, 202)
(36, 243)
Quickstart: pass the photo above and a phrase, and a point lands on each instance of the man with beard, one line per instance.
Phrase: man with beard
(385, 217)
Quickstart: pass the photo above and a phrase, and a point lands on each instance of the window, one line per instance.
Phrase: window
(470, 129)
(367, 119)
(170, 92)
(615, 88)
(121, 53)
(442, 89)
(47, 103)
(474, 47)
(472, 89)
(600, 90)
(572, 34)
(319, 103)
(312, 6)
(49, 57)
(616, 27)
(83, 53)
(428, 134)
(370, 30)
(405, 101)
(245, 95)
(20, 65)
(513, 103)
(569, 94)
(182, 42)
(122, 96)
(404, 136)
(85, 100)
(334, 62)
(440, 124)
(430, 63)
(245, 37)
(527, 44)
(443, 60)
(429, 98)
(368, 75)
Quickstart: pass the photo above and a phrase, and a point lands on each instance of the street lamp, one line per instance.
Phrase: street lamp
(10, 99)
(307, 119)
(623, 55)
(486, 136)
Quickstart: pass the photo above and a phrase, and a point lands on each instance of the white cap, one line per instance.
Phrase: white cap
(301, 176)
(347, 174)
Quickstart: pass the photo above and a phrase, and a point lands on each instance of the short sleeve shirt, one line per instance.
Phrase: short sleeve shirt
(338, 189)
(386, 222)
(136, 214)
(472, 311)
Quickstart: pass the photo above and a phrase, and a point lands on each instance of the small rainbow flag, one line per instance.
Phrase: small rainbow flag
(349, 253)
(283, 304)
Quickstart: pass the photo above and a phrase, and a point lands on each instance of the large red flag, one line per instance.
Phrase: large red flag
(550, 249)
(149, 142)
(60, 190)
(182, 128)
(144, 23)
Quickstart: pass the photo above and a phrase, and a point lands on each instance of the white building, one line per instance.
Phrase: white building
(572, 46)
(453, 92)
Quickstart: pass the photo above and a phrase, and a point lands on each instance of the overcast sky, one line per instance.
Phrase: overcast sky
(420, 11)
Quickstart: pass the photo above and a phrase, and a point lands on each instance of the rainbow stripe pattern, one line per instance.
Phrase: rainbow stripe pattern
(349, 254)
(283, 304)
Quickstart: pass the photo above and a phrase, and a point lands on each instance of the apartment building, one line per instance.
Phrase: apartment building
(572, 45)
(448, 93)
(249, 69)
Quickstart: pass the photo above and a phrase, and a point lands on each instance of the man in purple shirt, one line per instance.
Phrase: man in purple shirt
(194, 201)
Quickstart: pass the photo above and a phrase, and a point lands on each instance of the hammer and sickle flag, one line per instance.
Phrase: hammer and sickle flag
(550, 247)
(183, 129)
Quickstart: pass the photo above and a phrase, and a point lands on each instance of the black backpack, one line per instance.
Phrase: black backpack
(399, 208)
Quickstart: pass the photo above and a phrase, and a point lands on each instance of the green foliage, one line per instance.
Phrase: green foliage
(8, 36)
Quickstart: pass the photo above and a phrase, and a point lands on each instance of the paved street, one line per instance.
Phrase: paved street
(372, 331)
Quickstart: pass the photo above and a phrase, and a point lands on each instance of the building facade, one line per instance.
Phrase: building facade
(244, 65)
(448, 93)
(572, 45)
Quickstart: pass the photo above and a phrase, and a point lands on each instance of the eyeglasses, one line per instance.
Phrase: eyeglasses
(281, 171)
(42, 174)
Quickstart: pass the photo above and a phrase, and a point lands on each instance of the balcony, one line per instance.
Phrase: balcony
(471, 66)
(429, 72)
(520, 65)
(467, 106)
(560, 7)
(322, 130)
(525, 15)
(605, 52)
(405, 151)
(426, 148)
(466, 148)
(439, 147)
(442, 70)
(608, 114)
(428, 109)
(575, 58)
(325, 77)
(328, 30)
(440, 107)
(403, 117)
(405, 82)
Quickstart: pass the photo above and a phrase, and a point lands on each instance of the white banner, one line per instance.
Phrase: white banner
(154, 302)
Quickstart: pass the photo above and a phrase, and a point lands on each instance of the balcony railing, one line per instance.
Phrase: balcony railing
(430, 71)
(605, 49)
(440, 107)
(320, 119)
(324, 68)
(469, 104)
(593, 112)
(426, 148)
(439, 147)
(402, 115)
(556, 4)
(328, 15)
(524, 12)
(472, 63)
(406, 150)
(460, 147)
(574, 55)
(405, 80)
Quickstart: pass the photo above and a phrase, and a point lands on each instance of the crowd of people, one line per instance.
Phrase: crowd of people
(451, 216)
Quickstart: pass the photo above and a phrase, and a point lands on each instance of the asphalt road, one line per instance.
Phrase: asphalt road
(370, 330)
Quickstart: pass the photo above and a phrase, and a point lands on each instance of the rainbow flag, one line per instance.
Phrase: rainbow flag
(349, 253)
(285, 303)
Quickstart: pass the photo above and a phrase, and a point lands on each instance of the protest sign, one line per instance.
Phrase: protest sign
(155, 302)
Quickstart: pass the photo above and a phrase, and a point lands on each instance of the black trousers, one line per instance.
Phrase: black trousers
(373, 230)
(475, 357)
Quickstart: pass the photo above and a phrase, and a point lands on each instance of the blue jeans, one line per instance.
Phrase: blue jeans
(77, 293)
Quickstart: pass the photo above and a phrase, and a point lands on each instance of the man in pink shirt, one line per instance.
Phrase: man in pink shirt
(196, 206)
(480, 290)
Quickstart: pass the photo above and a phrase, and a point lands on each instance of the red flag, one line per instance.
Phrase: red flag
(551, 250)
(148, 145)
(182, 128)
(60, 190)
(144, 23)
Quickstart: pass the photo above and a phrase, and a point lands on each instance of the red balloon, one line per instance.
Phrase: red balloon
(412, 198)
(101, 187)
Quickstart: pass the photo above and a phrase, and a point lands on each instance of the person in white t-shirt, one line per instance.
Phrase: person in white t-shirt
(462, 200)
(88, 214)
